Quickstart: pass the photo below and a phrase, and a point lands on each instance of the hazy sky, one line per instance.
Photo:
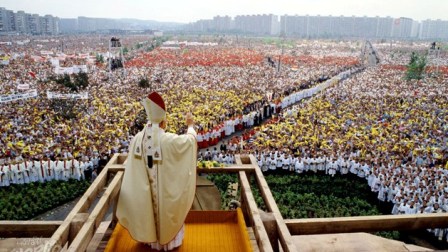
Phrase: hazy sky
(188, 11)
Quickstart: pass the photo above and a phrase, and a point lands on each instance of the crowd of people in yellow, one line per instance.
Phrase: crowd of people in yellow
(35, 129)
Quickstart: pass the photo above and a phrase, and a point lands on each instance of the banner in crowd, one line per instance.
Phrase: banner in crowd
(23, 86)
(22, 42)
(54, 62)
(70, 70)
(46, 53)
(20, 96)
(5, 62)
(53, 95)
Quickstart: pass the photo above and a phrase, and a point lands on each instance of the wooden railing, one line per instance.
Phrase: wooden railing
(80, 230)
(367, 223)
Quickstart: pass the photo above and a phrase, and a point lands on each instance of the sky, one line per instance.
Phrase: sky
(186, 11)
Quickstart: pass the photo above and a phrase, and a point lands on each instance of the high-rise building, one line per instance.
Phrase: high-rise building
(222, 23)
(415, 29)
(36, 23)
(294, 25)
(11, 20)
(327, 26)
(7, 20)
(21, 22)
(258, 24)
(50, 25)
(365, 27)
(86, 24)
(357, 27)
(68, 25)
(4, 22)
(384, 27)
(433, 29)
(25, 23)
(402, 28)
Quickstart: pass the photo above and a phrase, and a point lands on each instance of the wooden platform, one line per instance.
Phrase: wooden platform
(352, 242)
(205, 231)
(90, 224)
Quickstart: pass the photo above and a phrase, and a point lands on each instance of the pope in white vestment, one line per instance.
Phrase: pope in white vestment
(159, 182)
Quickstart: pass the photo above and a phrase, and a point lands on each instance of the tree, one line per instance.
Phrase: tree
(63, 80)
(143, 83)
(125, 50)
(81, 81)
(416, 67)
(99, 58)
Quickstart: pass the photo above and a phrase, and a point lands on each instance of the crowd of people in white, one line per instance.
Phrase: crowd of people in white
(47, 170)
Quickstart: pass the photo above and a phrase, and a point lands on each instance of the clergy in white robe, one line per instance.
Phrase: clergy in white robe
(159, 183)
(18, 173)
(67, 169)
(50, 169)
(4, 175)
(59, 169)
(299, 165)
(25, 167)
(39, 167)
(75, 169)
(34, 176)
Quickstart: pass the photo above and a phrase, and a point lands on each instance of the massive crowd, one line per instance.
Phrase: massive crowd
(376, 125)
(392, 132)
(38, 129)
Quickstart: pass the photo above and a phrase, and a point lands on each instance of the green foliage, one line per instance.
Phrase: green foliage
(125, 50)
(416, 67)
(81, 81)
(313, 196)
(222, 181)
(24, 202)
(99, 58)
(63, 80)
(138, 46)
(393, 235)
(143, 83)
(150, 48)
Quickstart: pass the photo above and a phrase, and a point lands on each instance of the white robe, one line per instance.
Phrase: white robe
(299, 166)
(25, 168)
(39, 167)
(18, 174)
(175, 182)
(4, 176)
(59, 169)
(74, 171)
(34, 176)
(50, 169)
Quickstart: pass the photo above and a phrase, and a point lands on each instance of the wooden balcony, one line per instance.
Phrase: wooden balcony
(90, 224)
